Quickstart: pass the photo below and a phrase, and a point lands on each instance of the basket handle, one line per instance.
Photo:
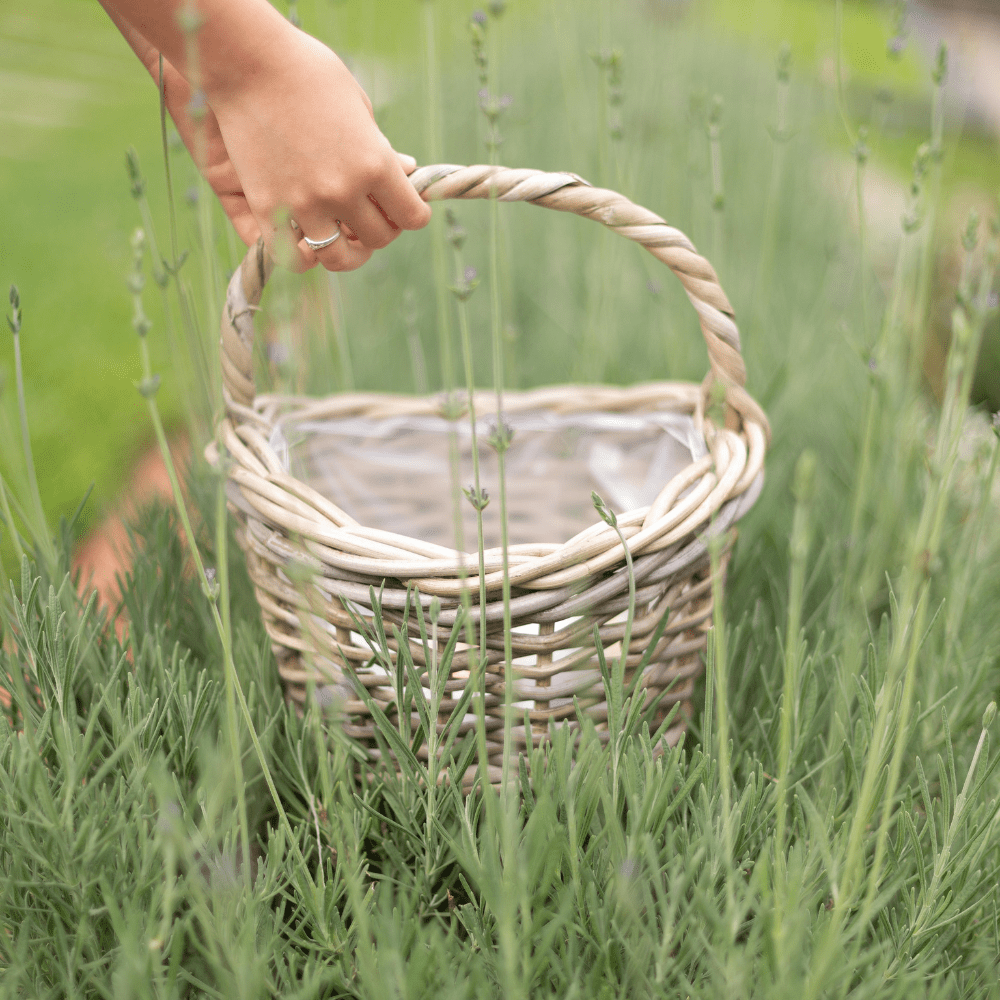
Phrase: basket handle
(564, 192)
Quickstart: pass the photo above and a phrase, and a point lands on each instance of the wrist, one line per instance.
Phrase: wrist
(233, 53)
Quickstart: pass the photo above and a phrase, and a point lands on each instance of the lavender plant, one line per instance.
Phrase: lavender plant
(173, 828)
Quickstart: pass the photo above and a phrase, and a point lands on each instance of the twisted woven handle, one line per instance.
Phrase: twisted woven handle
(561, 191)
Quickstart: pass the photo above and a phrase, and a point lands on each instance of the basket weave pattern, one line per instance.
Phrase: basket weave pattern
(560, 591)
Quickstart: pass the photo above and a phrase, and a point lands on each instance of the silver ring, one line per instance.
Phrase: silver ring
(320, 244)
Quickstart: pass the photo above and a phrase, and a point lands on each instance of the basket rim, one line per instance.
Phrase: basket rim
(732, 466)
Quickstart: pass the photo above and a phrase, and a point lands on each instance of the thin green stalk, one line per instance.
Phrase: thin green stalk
(169, 887)
(873, 414)
(493, 106)
(956, 609)
(717, 638)
(860, 160)
(418, 363)
(22, 410)
(841, 103)
(465, 282)
(789, 724)
(204, 364)
(502, 436)
(433, 141)
(206, 233)
(174, 261)
(138, 182)
(603, 142)
(928, 248)
(718, 186)
(432, 738)
(222, 578)
(39, 530)
(617, 692)
(799, 548)
(432, 84)
(163, 270)
(15, 536)
(465, 279)
(191, 22)
(761, 291)
(340, 331)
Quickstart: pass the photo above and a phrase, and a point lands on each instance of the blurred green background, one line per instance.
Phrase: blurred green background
(73, 98)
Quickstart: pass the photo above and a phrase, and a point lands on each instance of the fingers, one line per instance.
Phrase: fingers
(235, 207)
(343, 254)
(407, 162)
(398, 199)
(386, 201)
(369, 222)
(381, 211)
(372, 227)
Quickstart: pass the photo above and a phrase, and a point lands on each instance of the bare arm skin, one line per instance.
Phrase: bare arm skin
(286, 127)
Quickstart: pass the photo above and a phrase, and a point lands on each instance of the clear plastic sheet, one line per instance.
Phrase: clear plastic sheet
(395, 473)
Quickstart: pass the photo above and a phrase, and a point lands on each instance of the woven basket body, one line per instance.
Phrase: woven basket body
(315, 564)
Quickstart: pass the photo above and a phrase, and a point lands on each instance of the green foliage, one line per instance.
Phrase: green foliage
(830, 826)
(121, 870)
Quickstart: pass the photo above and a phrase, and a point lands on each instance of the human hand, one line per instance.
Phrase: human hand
(201, 133)
(300, 138)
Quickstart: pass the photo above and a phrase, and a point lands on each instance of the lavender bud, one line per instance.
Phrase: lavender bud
(14, 320)
(989, 715)
(148, 386)
(136, 180)
(940, 73)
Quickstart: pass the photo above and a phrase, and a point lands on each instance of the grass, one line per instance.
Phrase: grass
(67, 87)
(830, 826)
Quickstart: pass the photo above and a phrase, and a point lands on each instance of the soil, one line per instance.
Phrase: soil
(104, 554)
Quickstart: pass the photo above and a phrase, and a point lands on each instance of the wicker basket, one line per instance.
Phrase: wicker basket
(560, 589)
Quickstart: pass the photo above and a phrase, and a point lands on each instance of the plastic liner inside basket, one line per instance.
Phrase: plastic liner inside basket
(395, 473)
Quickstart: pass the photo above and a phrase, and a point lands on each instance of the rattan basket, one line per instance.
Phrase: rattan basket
(560, 589)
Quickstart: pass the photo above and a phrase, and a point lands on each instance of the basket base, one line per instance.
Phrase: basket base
(669, 638)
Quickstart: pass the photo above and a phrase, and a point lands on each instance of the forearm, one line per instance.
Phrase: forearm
(230, 35)
(140, 46)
